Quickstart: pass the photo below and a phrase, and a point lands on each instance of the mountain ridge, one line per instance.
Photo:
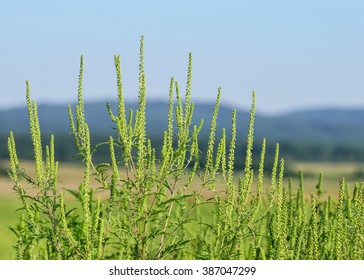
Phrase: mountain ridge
(327, 124)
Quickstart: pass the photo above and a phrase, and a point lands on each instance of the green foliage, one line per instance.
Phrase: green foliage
(175, 207)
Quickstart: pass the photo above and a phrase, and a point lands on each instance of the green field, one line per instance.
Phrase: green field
(70, 175)
(8, 217)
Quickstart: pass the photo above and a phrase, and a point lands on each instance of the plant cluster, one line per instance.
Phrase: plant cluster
(173, 208)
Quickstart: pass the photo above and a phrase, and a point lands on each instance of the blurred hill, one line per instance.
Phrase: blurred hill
(326, 134)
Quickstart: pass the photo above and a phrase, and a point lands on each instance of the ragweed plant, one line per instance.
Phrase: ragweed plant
(176, 203)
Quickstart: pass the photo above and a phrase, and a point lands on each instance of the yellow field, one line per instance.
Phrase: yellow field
(332, 172)
(71, 175)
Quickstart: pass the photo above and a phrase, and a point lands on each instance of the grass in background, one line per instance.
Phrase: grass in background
(9, 217)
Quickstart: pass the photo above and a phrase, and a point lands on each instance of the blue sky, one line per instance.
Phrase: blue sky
(295, 54)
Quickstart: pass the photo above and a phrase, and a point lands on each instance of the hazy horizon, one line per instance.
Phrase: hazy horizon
(295, 55)
(65, 103)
